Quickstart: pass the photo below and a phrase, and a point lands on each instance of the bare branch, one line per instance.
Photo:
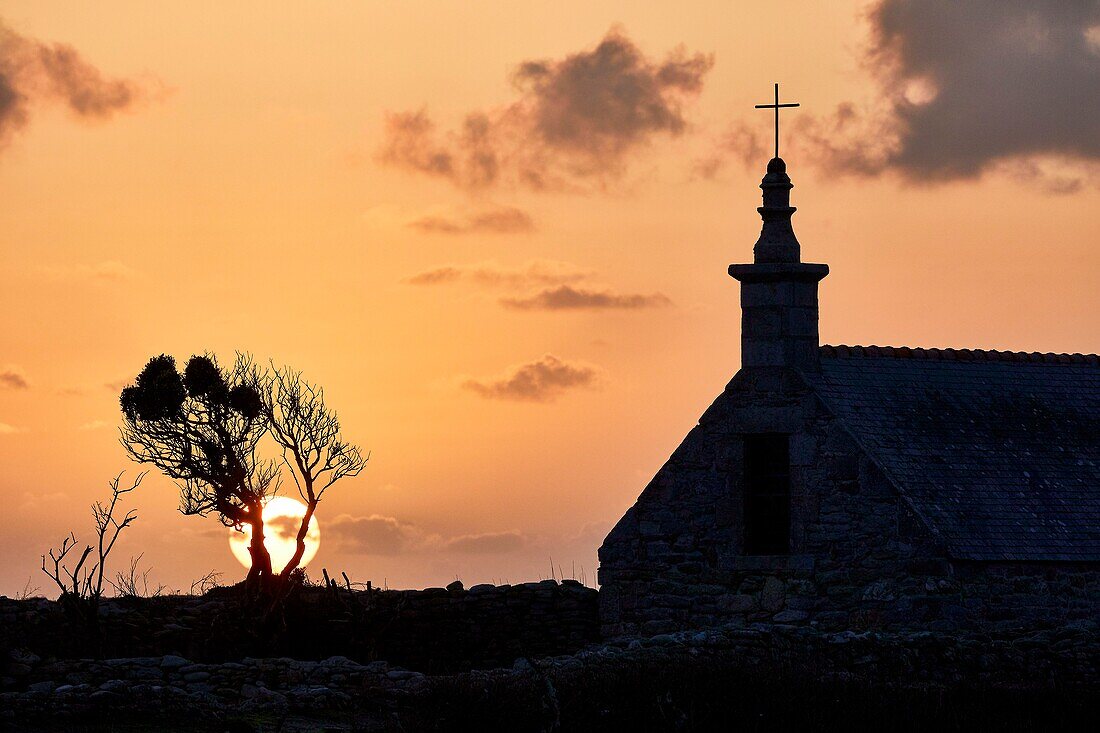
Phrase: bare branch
(308, 433)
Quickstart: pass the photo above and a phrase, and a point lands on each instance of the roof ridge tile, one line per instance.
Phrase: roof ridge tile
(842, 351)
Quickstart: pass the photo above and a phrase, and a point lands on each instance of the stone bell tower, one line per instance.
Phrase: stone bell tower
(778, 290)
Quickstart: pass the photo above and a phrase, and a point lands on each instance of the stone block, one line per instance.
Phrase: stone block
(762, 352)
(773, 595)
(801, 322)
(762, 323)
(738, 603)
(766, 294)
(803, 449)
(790, 617)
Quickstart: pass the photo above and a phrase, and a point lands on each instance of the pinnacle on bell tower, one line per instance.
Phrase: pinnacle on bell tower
(779, 311)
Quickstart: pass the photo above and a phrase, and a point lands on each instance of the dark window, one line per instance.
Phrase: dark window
(767, 495)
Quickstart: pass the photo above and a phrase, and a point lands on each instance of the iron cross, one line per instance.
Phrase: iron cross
(776, 105)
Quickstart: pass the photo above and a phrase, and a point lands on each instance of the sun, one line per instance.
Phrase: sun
(282, 518)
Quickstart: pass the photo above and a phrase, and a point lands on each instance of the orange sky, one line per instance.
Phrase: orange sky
(242, 200)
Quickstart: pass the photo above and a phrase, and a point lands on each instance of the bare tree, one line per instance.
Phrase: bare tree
(134, 582)
(202, 428)
(308, 432)
(206, 583)
(81, 577)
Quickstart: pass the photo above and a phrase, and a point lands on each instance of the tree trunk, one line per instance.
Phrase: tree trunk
(299, 543)
(260, 572)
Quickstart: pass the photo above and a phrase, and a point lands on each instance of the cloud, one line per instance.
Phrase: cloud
(489, 274)
(962, 89)
(499, 220)
(32, 72)
(968, 88)
(488, 543)
(740, 142)
(538, 381)
(553, 284)
(374, 535)
(101, 274)
(12, 377)
(6, 429)
(110, 270)
(285, 527)
(567, 297)
(381, 535)
(437, 276)
(94, 425)
(576, 121)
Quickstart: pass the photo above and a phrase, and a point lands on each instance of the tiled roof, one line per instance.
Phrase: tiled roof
(999, 452)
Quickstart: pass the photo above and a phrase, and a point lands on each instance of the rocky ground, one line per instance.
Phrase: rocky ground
(660, 683)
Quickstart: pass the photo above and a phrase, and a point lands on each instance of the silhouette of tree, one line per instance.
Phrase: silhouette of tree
(312, 448)
(81, 578)
(202, 428)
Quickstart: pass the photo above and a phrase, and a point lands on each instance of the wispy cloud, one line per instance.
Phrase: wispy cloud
(498, 220)
(12, 377)
(33, 71)
(119, 384)
(487, 543)
(110, 270)
(94, 425)
(577, 121)
(551, 286)
(106, 272)
(491, 274)
(6, 429)
(567, 297)
(378, 534)
(543, 380)
(375, 534)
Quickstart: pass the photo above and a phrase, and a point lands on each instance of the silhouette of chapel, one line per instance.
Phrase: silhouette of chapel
(865, 487)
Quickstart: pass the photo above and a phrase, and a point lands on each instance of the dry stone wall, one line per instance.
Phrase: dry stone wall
(1065, 659)
(431, 630)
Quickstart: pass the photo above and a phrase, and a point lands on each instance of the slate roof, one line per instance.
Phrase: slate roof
(999, 452)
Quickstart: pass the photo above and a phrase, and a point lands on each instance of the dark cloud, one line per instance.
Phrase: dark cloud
(285, 527)
(12, 378)
(567, 297)
(537, 381)
(381, 535)
(501, 220)
(969, 87)
(533, 274)
(373, 535)
(32, 71)
(488, 543)
(576, 121)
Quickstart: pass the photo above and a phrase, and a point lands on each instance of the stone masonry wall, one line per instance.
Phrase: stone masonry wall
(1064, 659)
(860, 559)
(431, 630)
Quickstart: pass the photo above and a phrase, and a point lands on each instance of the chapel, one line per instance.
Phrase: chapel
(864, 487)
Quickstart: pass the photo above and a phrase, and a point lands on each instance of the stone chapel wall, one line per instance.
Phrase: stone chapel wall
(860, 559)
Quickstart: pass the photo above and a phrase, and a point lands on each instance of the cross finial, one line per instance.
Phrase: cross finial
(776, 106)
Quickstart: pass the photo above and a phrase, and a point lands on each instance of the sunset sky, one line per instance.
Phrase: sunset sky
(497, 234)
